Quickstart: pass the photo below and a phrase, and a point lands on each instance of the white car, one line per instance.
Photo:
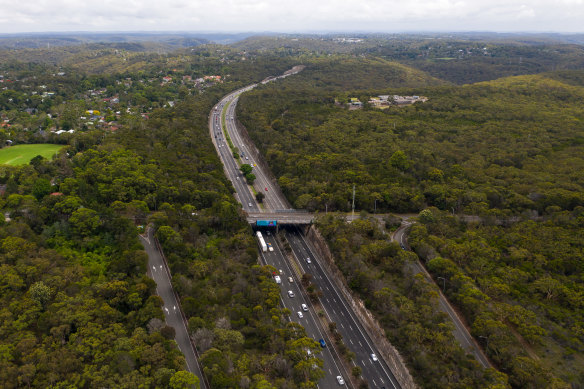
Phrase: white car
(374, 357)
(290, 279)
(308, 260)
(340, 380)
(290, 294)
(278, 279)
(250, 204)
(305, 308)
(300, 315)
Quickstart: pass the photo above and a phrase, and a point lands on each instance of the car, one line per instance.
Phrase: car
(247, 158)
(403, 247)
(270, 248)
(340, 380)
(281, 272)
(322, 343)
(300, 315)
(290, 279)
(266, 189)
(249, 204)
(290, 294)
(278, 280)
(308, 260)
(374, 357)
(304, 307)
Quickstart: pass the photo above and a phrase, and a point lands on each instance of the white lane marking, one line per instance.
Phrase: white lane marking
(351, 341)
(360, 344)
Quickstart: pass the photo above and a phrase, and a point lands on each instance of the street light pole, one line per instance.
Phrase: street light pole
(443, 283)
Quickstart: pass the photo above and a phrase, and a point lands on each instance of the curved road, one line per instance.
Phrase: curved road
(460, 331)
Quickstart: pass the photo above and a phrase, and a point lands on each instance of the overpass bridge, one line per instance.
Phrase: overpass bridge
(281, 217)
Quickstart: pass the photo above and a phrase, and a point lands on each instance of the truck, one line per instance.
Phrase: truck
(262, 241)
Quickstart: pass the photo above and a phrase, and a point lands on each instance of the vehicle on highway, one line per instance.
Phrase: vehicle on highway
(290, 279)
(266, 189)
(270, 248)
(281, 272)
(374, 357)
(322, 343)
(300, 315)
(249, 204)
(290, 294)
(308, 260)
(340, 380)
(304, 307)
(247, 158)
(278, 279)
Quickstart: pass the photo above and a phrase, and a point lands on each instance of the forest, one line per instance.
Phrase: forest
(493, 169)
(504, 157)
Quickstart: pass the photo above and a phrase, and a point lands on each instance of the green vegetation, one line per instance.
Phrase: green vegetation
(505, 151)
(504, 147)
(23, 154)
(380, 273)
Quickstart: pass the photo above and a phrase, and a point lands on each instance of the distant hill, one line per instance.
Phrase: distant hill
(132, 41)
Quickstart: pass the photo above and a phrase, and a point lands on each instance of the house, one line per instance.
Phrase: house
(355, 103)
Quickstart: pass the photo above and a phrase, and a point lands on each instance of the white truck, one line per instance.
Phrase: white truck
(262, 241)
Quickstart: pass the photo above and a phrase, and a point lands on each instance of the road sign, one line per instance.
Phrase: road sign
(266, 223)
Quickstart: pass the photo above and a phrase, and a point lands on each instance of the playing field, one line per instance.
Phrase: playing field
(22, 154)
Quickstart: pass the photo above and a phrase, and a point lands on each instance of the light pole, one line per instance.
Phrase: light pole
(443, 283)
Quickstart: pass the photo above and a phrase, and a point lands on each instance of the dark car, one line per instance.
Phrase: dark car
(322, 343)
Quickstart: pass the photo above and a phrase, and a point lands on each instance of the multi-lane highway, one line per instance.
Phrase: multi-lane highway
(310, 321)
(230, 164)
(376, 372)
(374, 369)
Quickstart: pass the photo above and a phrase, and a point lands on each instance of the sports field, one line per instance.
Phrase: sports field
(22, 154)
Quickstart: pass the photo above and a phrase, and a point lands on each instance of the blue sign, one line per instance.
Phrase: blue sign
(266, 223)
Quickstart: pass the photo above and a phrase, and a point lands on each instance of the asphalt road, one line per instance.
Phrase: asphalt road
(243, 193)
(159, 272)
(460, 331)
(332, 366)
(377, 373)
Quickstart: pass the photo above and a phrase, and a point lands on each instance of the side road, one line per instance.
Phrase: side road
(460, 331)
(158, 270)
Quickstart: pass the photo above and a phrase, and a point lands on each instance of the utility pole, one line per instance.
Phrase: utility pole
(353, 211)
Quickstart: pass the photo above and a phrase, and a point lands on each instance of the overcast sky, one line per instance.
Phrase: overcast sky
(292, 15)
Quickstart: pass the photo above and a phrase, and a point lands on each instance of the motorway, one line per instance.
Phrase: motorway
(336, 308)
(310, 321)
(377, 373)
(160, 273)
(460, 331)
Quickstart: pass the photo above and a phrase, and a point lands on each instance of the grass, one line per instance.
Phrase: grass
(22, 154)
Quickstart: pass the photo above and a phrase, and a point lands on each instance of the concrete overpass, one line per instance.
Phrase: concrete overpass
(283, 217)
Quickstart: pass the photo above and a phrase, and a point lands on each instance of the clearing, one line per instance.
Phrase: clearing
(22, 154)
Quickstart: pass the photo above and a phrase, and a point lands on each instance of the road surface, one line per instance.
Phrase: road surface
(377, 373)
(159, 272)
(460, 331)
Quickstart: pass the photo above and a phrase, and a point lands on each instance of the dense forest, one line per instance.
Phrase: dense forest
(509, 152)
(379, 272)
(504, 157)
(77, 306)
(504, 147)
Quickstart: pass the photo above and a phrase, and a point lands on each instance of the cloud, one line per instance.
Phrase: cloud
(297, 15)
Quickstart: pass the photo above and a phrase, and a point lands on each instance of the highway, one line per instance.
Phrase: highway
(310, 321)
(243, 194)
(160, 273)
(336, 308)
(460, 331)
(377, 373)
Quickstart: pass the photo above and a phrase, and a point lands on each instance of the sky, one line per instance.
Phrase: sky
(565, 16)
